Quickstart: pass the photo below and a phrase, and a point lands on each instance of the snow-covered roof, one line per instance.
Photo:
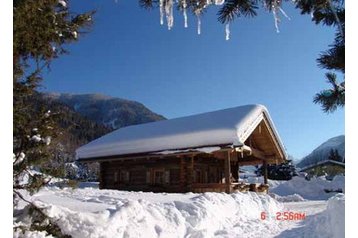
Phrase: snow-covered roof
(224, 127)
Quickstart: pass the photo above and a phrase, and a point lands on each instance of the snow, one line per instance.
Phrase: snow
(75, 35)
(31, 234)
(229, 126)
(19, 158)
(298, 186)
(324, 219)
(312, 190)
(47, 140)
(36, 138)
(219, 2)
(62, 3)
(202, 149)
(330, 223)
(89, 212)
(289, 198)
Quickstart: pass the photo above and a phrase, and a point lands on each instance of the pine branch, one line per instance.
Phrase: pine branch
(331, 99)
(148, 4)
(237, 8)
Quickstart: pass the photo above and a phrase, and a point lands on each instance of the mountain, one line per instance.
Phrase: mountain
(109, 111)
(323, 151)
(72, 129)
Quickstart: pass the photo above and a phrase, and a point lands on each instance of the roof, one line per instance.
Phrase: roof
(224, 127)
(324, 162)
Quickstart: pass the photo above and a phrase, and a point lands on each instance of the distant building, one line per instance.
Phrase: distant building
(326, 167)
(198, 153)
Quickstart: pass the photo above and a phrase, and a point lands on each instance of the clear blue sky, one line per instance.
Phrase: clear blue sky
(176, 73)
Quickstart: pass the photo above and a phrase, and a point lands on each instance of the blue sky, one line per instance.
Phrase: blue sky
(128, 54)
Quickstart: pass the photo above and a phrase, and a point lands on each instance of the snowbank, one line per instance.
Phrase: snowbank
(289, 198)
(329, 223)
(134, 214)
(314, 189)
(31, 234)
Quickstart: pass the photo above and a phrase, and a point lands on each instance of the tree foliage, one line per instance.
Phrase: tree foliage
(283, 171)
(41, 30)
(334, 155)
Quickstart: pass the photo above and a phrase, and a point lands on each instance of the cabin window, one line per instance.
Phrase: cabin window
(147, 178)
(166, 177)
(159, 177)
(124, 176)
(197, 176)
(116, 177)
(137, 176)
(174, 176)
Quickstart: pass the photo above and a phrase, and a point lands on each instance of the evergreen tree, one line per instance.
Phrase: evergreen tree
(283, 171)
(334, 155)
(41, 30)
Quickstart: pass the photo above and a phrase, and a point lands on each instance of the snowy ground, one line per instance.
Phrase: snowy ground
(90, 212)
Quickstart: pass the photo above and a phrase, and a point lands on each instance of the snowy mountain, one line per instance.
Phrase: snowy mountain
(322, 152)
(110, 111)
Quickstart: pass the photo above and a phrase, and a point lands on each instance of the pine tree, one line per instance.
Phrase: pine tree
(334, 155)
(284, 171)
(41, 30)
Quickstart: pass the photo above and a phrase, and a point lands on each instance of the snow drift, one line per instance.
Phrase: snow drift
(314, 189)
(329, 223)
(133, 214)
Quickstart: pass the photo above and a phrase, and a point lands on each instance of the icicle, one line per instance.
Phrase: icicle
(275, 8)
(184, 14)
(161, 10)
(277, 20)
(284, 13)
(169, 13)
(219, 2)
(199, 23)
(227, 31)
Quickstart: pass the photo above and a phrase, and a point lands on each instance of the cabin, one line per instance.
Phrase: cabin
(198, 153)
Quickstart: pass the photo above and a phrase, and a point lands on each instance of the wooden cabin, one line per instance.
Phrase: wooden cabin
(199, 153)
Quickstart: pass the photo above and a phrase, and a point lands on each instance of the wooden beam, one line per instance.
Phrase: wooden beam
(182, 174)
(274, 138)
(191, 173)
(265, 171)
(250, 162)
(228, 172)
(238, 171)
(101, 180)
(258, 154)
(251, 151)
